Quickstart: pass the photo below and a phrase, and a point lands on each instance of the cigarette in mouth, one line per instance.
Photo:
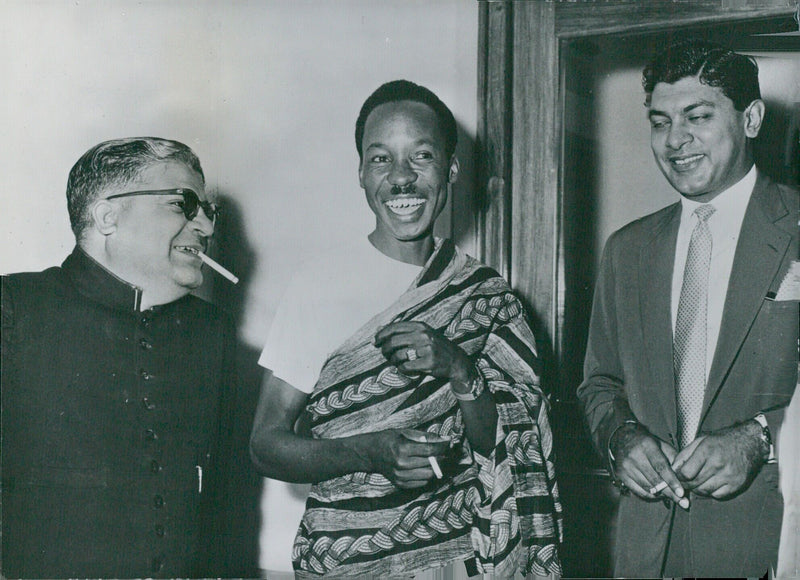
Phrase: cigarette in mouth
(435, 466)
(214, 266)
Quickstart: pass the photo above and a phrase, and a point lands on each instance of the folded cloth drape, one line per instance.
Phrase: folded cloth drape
(499, 513)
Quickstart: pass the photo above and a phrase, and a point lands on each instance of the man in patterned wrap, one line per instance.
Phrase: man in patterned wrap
(433, 366)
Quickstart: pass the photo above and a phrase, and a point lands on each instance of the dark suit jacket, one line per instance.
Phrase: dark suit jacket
(628, 374)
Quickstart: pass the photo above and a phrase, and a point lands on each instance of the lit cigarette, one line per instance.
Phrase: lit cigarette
(435, 466)
(214, 266)
(660, 486)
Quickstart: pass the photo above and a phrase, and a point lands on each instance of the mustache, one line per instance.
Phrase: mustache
(404, 190)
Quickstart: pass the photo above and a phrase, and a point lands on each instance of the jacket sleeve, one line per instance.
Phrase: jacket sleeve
(602, 393)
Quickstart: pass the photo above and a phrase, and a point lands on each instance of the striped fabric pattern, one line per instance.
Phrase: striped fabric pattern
(500, 513)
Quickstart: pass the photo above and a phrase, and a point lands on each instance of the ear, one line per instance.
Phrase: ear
(361, 173)
(753, 117)
(105, 216)
(452, 175)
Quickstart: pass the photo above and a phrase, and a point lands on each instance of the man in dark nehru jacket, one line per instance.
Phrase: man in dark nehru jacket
(115, 379)
(692, 353)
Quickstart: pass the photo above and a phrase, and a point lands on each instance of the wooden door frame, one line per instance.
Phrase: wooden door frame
(520, 128)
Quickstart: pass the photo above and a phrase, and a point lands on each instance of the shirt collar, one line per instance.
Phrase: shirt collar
(99, 284)
(731, 202)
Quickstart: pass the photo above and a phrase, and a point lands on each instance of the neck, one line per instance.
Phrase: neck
(152, 294)
(414, 252)
(151, 298)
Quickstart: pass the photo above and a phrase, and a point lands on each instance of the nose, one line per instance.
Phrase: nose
(678, 136)
(201, 224)
(401, 173)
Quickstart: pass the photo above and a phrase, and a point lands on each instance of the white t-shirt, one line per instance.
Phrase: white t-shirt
(326, 301)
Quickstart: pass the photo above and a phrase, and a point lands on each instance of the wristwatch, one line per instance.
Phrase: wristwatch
(612, 461)
(613, 433)
(476, 388)
(766, 436)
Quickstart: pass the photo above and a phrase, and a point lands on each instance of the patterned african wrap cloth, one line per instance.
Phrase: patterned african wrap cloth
(500, 513)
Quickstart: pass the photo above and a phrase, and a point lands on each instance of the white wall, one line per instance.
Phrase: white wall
(266, 93)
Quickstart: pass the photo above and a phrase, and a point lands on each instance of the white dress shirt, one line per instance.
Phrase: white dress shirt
(725, 224)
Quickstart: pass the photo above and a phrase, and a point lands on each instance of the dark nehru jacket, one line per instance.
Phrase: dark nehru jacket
(111, 422)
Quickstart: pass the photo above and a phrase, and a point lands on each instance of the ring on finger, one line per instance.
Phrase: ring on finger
(411, 354)
(660, 486)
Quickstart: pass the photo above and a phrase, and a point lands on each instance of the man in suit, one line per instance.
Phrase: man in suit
(692, 354)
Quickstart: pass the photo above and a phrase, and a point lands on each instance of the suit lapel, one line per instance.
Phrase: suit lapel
(655, 271)
(759, 254)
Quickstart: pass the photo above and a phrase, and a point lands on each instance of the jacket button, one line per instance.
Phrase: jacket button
(148, 404)
(154, 466)
(158, 502)
(145, 375)
(160, 530)
(150, 435)
(145, 344)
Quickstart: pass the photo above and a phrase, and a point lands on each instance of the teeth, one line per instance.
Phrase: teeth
(686, 160)
(189, 249)
(406, 205)
(407, 202)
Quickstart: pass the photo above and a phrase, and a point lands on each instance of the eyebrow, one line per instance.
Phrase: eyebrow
(419, 143)
(686, 109)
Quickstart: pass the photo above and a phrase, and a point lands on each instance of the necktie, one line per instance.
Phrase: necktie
(690, 329)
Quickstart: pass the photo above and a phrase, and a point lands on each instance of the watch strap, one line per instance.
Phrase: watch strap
(766, 436)
(476, 388)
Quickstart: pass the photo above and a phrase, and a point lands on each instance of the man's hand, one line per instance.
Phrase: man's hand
(642, 464)
(723, 463)
(403, 461)
(282, 449)
(416, 348)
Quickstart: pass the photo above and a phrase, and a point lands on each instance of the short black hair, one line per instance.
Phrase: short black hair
(736, 75)
(118, 162)
(402, 90)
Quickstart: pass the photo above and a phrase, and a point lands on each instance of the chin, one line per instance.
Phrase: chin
(688, 188)
(190, 280)
(692, 192)
(413, 232)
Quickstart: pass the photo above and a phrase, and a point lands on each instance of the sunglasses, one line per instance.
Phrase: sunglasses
(190, 205)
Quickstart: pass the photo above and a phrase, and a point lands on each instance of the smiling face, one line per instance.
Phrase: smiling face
(152, 244)
(404, 173)
(699, 140)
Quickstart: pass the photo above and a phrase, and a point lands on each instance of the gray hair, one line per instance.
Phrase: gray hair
(114, 163)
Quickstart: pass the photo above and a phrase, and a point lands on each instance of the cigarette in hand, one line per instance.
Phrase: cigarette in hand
(215, 266)
(435, 466)
(423, 437)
